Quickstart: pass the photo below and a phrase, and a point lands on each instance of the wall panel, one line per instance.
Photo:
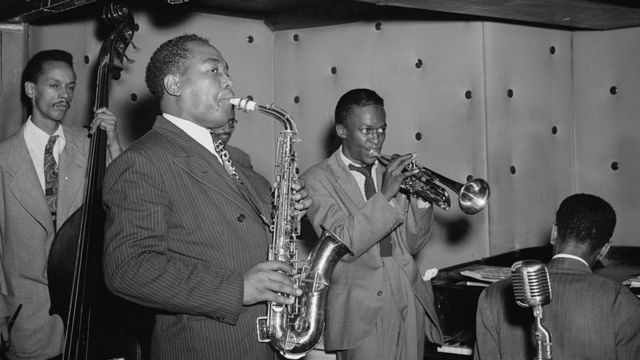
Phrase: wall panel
(13, 53)
(529, 94)
(607, 112)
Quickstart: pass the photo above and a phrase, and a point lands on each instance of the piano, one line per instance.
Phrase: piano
(456, 295)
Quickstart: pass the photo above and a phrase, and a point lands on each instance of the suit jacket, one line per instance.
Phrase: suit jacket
(26, 234)
(355, 296)
(239, 156)
(179, 236)
(589, 317)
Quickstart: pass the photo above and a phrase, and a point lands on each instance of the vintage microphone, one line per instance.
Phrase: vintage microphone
(531, 288)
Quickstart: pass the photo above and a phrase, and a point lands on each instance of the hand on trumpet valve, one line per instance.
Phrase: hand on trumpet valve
(397, 170)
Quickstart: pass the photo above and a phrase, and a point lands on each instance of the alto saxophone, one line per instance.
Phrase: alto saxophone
(294, 329)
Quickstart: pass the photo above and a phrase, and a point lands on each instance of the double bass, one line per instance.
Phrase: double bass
(98, 325)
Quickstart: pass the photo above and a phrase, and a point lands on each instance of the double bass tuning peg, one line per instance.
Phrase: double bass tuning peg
(133, 45)
(129, 60)
(113, 13)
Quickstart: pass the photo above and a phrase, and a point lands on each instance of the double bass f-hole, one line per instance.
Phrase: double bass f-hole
(95, 321)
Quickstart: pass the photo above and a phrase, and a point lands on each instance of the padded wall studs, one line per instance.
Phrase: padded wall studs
(530, 169)
(615, 166)
(606, 93)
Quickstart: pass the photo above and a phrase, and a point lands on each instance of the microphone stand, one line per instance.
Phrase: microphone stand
(543, 338)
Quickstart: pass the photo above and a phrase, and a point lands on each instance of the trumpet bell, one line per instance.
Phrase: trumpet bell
(473, 196)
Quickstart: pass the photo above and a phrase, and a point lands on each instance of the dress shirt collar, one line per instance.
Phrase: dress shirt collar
(569, 256)
(36, 137)
(348, 162)
(198, 133)
(36, 140)
(359, 177)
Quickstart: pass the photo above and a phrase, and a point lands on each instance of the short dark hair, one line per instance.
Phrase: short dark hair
(35, 65)
(352, 98)
(586, 219)
(169, 58)
(35, 68)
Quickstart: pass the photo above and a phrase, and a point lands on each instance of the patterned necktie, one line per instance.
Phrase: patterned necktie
(218, 146)
(369, 191)
(51, 176)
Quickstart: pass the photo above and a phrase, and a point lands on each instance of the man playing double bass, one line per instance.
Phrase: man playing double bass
(42, 172)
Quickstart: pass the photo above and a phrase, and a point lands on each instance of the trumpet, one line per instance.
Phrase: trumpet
(472, 196)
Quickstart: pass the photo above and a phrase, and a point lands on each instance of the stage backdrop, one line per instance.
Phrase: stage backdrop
(539, 113)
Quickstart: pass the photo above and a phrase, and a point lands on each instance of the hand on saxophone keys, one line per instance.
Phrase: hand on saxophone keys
(301, 197)
(271, 282)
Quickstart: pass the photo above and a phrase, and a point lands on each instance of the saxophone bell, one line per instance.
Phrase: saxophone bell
(473, 196)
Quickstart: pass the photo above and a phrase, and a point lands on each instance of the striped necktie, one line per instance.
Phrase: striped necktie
(369, 191)
(51, 176)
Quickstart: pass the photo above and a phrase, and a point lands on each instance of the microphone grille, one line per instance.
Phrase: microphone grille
(530, 280)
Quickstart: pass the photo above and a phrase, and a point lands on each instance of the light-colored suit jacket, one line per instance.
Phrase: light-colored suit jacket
(26, 234)
(179, 236)
(355, 296)
(589, 317)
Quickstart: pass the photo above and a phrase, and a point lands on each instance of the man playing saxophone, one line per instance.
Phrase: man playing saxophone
(378, 305)
(187, 231)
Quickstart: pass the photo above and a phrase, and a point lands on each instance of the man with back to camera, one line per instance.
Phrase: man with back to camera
(187, 232)
(378, 305)
(32, 209)
(589, 316)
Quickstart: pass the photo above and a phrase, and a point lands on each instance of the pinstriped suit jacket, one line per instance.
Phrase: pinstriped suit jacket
(589, 317)
(26, 234)
(179, 236)
(355, 299)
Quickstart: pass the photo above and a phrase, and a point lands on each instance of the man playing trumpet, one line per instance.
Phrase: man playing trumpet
(378, 305)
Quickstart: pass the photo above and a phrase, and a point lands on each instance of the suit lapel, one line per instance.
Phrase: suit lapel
(344, 182)
(200, 164)
(24, 183)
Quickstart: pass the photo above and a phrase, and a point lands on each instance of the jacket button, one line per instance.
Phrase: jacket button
(380, 293)
(241, 218)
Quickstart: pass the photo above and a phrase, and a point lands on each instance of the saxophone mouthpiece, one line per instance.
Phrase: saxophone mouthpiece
(374, 153)
(243, 104)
